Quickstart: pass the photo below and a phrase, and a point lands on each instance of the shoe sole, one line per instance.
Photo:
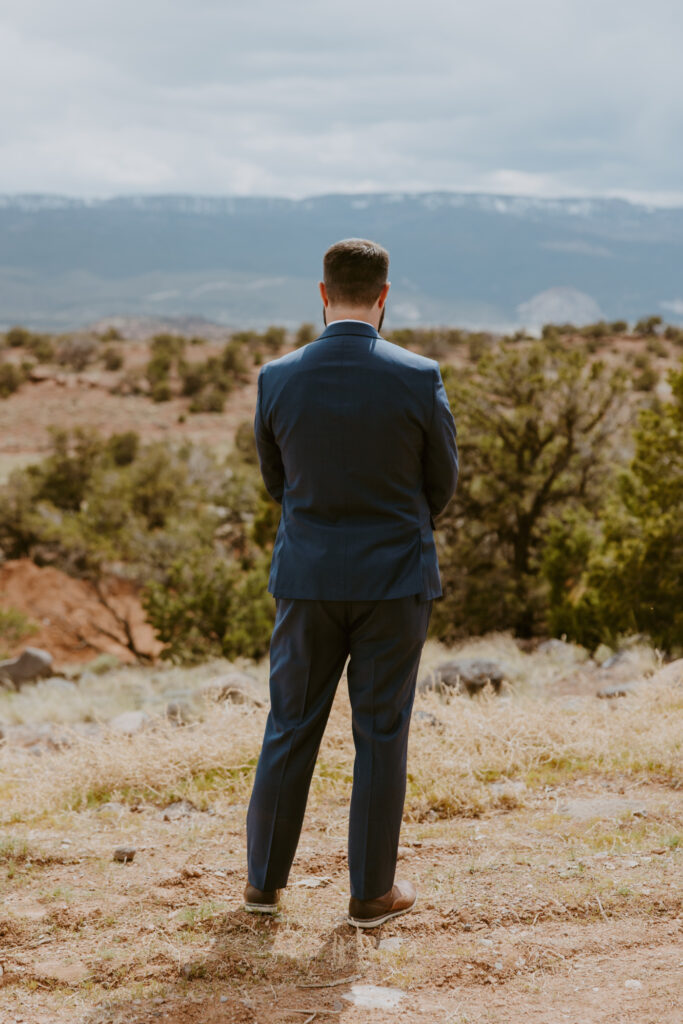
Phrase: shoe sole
(261, 908)
(375, 922)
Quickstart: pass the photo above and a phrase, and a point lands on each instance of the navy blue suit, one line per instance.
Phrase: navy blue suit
(357, 442)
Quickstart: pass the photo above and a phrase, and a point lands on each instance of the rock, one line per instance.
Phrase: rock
(124, 854)
(633, 983)
(560, 650)
(671, 673)
(464, 674)
(237, 687)
(56, 970)
(129, 722)
(585, 808)
(179, 712)
(392, 944)
(37, 738)
(374, 997)
(179, 809)
(313, 881)
(619, 690)
(429, 719)
(601, 653)
(32, 663)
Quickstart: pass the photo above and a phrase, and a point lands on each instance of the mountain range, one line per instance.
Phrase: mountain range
(471, 260)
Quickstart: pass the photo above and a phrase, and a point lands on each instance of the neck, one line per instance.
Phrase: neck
(369, 316)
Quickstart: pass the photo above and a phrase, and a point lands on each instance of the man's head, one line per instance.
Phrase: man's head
(355, 282)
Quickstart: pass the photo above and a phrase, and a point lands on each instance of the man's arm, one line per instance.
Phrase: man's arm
(270, 459)
(440, 457)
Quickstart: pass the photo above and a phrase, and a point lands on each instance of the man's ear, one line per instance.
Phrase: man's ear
(323, 293)
(383, 294)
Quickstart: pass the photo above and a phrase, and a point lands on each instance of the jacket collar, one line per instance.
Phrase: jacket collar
(349, 327)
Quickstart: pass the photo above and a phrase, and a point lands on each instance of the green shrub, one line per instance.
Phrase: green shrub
(210, 399)
(16, 337)
(76, 351)
(535, 429)
(656, 346)
(15, 626)
(42, 348)
(123, 447)
(161, 391)
(305, 334)
(647, 326)
(647, 379)
(158, 368)
(210, 606)
(274, 338)
(233, 361)
(112, 358)
(11, 379)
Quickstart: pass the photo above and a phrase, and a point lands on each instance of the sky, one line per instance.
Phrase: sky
(306, 97)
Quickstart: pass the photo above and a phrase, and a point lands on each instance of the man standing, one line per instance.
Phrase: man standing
(357, 442)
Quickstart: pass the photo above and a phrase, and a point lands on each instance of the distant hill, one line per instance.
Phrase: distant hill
(465, 259)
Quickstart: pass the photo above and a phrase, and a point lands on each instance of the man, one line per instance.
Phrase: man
(357, 442)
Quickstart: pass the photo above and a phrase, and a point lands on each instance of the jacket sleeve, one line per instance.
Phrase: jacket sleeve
(270, 459)
(440, 456)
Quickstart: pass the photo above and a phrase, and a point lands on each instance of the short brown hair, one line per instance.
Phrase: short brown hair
(355, 271)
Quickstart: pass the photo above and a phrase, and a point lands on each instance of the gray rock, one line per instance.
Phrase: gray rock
(129, 722)
(468, 675)
(585, 808)
(560, 650)
(429, 719)
(179, 712)
(237, 687)
(32, 663)
(37, 738)
(124, 854)
(179, 809)
(619, 690)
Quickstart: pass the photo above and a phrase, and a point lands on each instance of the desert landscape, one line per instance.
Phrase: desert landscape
(543, 829)
(544, 817)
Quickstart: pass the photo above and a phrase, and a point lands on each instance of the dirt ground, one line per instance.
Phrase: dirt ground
(71, 621)
(566, 909)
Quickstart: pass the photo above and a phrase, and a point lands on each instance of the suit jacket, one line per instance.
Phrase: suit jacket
(356, 440)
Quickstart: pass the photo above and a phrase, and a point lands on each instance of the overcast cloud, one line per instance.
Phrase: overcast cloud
(541, 97)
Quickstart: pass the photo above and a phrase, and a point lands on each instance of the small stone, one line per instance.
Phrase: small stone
(179, 712)
(179, 809)
(124, 854)
(618, 690)
(374, 997)
(392, 944)
(236, 687)
(313, 881)
(633, 983)
(129, 722)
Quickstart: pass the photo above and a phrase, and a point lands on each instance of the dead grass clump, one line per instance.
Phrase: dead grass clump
(480, 754)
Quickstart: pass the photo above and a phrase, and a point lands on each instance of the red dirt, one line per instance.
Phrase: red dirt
(74, 626)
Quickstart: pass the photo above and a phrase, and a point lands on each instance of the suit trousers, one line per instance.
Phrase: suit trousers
(309, 647)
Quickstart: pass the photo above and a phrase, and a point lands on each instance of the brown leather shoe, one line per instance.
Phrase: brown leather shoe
(372, 913)
(258, 902)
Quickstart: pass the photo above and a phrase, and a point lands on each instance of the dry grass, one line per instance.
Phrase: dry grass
(458, 748)
(523, 906)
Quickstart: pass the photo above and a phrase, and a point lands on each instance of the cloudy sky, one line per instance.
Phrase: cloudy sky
(297, 97)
